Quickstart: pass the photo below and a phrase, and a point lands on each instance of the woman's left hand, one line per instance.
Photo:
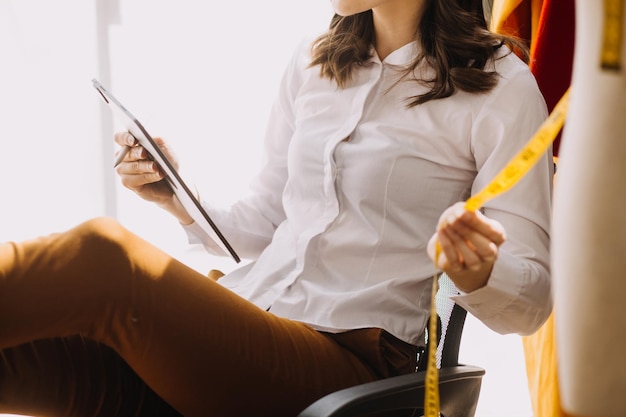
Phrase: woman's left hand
(469, 244)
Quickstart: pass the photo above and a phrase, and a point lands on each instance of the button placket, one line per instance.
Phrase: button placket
(332, 206)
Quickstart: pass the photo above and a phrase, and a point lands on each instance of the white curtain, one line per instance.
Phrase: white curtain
(51, 172)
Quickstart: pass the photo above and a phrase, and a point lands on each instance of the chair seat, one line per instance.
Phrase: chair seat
(459, 388)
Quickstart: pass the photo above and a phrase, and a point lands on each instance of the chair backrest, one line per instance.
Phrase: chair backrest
(451, 322)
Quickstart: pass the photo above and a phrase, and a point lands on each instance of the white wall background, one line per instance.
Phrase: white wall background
(200, 74)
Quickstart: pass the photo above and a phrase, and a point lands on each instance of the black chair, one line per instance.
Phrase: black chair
(459, 385)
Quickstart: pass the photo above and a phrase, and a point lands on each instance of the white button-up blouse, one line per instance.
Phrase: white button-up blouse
(337, 221)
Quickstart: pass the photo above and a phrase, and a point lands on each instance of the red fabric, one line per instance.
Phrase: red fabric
(553, 51)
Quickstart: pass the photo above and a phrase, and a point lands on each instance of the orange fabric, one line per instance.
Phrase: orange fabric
(542, 372)
(548, 26)
(519, 18)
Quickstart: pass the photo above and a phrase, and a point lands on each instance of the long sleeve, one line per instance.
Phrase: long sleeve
(517, 298)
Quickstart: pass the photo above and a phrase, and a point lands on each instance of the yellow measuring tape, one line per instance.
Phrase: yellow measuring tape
(431, 391)
(521, 163)
(517, 167)
(612, 34)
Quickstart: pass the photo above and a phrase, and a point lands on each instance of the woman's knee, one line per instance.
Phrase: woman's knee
(101, 236)
(102, 251)
(106, 252)
(101, 228)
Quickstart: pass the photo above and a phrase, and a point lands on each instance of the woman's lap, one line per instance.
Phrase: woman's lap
(199, 346)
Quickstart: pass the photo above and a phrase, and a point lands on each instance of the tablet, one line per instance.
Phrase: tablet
(180, 188)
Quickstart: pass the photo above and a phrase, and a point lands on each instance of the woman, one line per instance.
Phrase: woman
(402, 109)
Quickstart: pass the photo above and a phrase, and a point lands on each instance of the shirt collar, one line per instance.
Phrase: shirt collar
(403, 56)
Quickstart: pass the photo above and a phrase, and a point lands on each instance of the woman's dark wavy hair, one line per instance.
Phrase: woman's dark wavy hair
(455, 41)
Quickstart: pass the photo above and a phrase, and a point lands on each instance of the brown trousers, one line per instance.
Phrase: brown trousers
(97, 322)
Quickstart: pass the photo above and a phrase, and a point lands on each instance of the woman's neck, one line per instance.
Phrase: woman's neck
(396, 24)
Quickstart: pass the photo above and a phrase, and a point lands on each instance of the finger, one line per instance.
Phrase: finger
(138, 167)
(468, 256)
(477, 221)
(124, 139)
(137, 181)
(449, 259)
(483, 247)
(167, 151)
(136, 153)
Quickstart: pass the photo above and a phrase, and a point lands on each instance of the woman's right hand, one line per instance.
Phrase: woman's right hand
(144, 176)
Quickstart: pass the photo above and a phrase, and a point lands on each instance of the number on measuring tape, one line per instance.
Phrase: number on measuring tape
(612, 34)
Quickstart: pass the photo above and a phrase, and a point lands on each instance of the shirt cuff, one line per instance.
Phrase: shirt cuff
(491, 302)
(197, 236)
